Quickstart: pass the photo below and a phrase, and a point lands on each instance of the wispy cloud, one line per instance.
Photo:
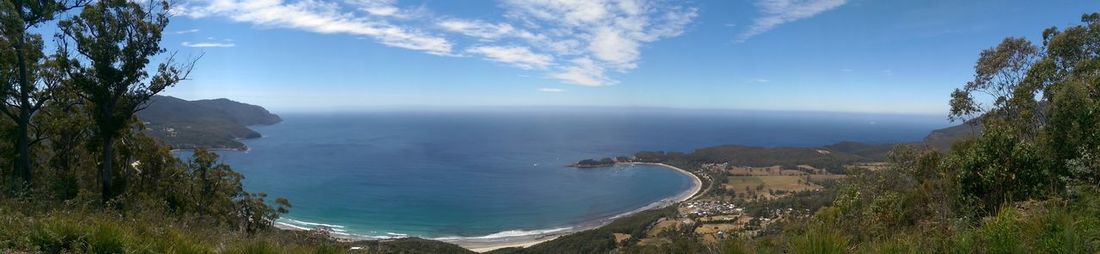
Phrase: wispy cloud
(551, 90)
(777, 12)
(519, 56)
(583, 71)
(207, 44)
(478, 29)
(320, 17)
(576, 42)
(187, 31)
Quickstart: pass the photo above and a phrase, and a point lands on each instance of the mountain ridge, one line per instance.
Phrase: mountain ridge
(212, 123)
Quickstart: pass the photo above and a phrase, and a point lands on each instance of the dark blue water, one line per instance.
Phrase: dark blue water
(477, 173)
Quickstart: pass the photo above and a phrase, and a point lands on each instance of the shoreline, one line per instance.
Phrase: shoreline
(528, 238)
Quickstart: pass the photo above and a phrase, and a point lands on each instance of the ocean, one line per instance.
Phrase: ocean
(488, 173)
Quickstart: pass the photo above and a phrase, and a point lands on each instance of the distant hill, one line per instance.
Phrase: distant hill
(242, 113)
(217, 123)
(942, 139)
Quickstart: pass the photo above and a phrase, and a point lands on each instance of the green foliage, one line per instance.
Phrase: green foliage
(82, 101)
(253, 247)
(871, 204)
(818, 240)
(114, 41)
(61, 228)
(1039, 117)
(997, 168)
(735, 246)
(218, 124)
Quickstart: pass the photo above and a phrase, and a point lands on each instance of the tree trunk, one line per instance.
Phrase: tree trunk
(22, 144)
(23, 159)
(105, 169)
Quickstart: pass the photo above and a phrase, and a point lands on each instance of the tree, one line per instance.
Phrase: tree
(67, 127)
(25, 73)
(114, 41)
(218, 195)
(255, 214)
(215, 180)
(1040, 111)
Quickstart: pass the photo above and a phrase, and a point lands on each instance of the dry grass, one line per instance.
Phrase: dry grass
(707, 229)
(755, 171)
(620, 237)
(786, 183)
(662, 226)
(873, 166)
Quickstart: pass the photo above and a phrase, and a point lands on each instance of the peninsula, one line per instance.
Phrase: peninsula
(211, 124)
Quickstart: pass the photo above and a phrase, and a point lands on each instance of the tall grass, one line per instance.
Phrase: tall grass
(818, 239)
(74, 230)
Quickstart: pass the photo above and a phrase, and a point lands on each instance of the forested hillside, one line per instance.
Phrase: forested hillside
(80, 174)
(219, 123)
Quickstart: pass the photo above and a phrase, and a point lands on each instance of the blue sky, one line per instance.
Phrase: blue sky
(790, 55)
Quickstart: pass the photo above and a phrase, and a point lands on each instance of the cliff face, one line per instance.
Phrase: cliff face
(217, 124)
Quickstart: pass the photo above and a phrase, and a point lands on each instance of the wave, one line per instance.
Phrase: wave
(314, 224)
(342, 232)
(291, 226)
(339, 231)
(508, 234)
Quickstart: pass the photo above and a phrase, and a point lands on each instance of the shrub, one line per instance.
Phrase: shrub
(820, 240)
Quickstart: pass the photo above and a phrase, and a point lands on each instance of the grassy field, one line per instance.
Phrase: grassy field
(762, 171)
(663, 226)
(787, 183)
(710, 229)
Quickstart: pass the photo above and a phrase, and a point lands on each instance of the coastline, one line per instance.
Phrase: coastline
(517, 238)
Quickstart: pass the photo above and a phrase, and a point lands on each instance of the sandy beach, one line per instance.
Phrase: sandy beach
(525, 239)
(484, 245)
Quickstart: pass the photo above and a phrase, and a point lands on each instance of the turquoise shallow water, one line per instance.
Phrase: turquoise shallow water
(448, 174)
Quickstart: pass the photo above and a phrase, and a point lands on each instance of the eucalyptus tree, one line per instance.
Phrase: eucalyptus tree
(24, 70)
(107, 50)
(1040, 110)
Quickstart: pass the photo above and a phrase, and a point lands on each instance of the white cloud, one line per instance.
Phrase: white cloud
(574, 41)
(551, 90)
(476, 28)
(319, 17)
(517, 56)
(585, 72)
(383, 8)
(187, 31)
(778, 12)
(388, 9)
(597, 34)
(610, 46)
(207, 45)
(760, 80)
